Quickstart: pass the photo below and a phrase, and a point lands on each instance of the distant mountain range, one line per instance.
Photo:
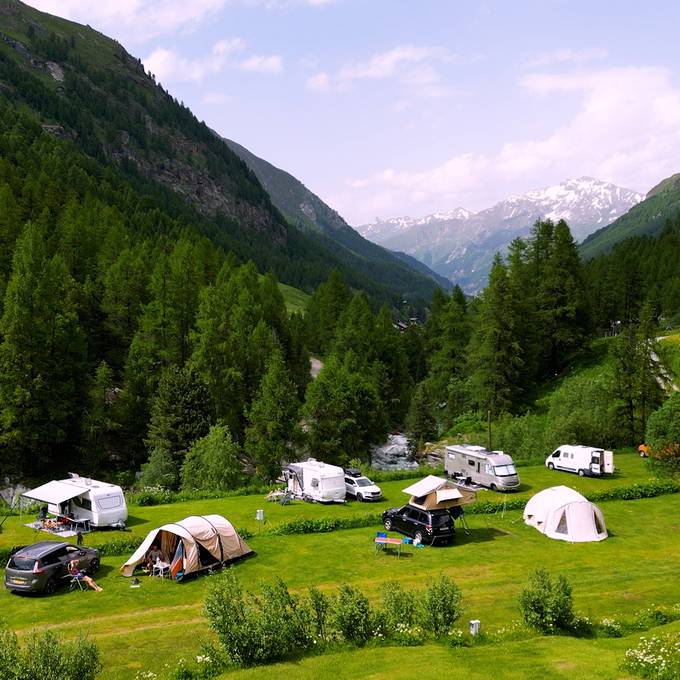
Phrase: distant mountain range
(461, 244)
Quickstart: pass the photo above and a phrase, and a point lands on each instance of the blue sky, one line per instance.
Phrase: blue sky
(408, 107)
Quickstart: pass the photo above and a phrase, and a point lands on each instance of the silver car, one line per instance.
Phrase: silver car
(43, 567)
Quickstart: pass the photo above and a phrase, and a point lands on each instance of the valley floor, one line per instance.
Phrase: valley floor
(155, 625)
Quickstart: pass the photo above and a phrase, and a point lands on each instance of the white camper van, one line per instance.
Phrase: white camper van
(475, 465)
(584, 460)
(313, 480)
(98, 504)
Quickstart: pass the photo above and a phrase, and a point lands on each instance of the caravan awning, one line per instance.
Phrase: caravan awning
(54, 492)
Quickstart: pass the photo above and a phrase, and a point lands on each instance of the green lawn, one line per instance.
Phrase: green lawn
(162, 621)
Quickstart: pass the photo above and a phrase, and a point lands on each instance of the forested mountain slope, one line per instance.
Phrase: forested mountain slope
(85, 87)
(648, 217)
(307, 211)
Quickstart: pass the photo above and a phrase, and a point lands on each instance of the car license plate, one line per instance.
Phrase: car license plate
(17, 581)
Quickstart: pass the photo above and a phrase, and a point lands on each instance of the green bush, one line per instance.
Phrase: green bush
(45, 656)
(319, 605)
(120, 546)
(546, 605)
(257, 630)
(440, 605)
(321, 526)
(353, 615)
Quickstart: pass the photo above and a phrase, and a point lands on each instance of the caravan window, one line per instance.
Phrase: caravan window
(109, 503)
(471, 462)
(505, 470)
(315, 483)
(83, 503)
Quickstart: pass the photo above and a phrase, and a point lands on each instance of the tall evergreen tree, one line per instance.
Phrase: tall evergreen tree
(271, 419)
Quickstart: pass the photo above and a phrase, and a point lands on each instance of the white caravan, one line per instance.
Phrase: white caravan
(313, 480)
(586, 461)
(474, 464)
(98, 504)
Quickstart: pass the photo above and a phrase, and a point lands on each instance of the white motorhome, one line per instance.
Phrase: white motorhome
(97, 504)
(313, 480)
(586, 461)
(475, 465)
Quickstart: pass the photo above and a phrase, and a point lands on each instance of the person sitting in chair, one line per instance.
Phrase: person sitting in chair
(154, 555)
(75, 571)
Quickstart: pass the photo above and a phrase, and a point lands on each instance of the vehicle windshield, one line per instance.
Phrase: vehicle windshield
(364, 481)
(21, 562)
(504, 470)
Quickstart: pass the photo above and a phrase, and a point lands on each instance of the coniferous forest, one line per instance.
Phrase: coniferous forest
(142, 326)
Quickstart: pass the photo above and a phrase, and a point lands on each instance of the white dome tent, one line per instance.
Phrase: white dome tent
(564, 514)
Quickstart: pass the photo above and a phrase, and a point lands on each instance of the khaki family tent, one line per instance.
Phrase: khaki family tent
(564, 514)
(192, 544)
(435, 492)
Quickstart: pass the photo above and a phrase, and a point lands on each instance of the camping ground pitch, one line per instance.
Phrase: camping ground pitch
(140, 629)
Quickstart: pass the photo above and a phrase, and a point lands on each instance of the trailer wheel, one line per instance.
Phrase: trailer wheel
(551, 466)
(581, 473)
(493, 487)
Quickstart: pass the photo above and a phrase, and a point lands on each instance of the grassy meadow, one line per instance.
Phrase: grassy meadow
(145, 628)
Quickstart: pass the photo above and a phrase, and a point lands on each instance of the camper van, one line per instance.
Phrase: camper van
(584, 460)
(97, 504)
(476, 465)
(313, 480)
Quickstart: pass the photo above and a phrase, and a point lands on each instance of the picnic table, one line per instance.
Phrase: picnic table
(381, 542)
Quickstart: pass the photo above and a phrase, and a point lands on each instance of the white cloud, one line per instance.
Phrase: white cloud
(414, 66)
(137, 21)
(170, 66)
(262, 64)
(567, 56)
(320, 82)
(626, 130)
(134, 21)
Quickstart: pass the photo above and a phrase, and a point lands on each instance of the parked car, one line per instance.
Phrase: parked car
(424, 526)
(361, 487)
(43, 567)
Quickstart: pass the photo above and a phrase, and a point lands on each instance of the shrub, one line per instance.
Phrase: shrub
(318, 605)
(320, 526)
(546, 604)
(398, 610)
(440, 605)
(611, 628)
(651, 617)
(657, 657)
(46, 657)
(120, 546)
(353, 615)
(256, 630)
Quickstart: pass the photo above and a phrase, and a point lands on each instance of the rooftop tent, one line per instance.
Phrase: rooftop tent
(192, 544)
(564, 514)
(435, 492)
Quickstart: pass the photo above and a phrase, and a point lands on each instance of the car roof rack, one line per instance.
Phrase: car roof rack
(353, 472)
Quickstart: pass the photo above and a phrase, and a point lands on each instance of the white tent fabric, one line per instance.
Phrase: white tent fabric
(425, 486)
(448, 494)
(213, 533)
(564, 514)
(54, 492)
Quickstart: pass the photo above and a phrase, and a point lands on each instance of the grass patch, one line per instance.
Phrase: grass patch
(139, 629)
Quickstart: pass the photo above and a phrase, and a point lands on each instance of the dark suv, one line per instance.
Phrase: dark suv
(43, 566)
(424, 526)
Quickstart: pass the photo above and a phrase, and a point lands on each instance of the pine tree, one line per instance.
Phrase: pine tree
(271, 419)
(42, 356)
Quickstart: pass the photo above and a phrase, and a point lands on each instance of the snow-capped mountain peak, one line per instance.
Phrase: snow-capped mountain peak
(460, 244)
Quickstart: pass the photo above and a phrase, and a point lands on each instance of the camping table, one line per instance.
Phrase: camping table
(160, 569)
(382, 541)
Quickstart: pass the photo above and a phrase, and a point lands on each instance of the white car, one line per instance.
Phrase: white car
(360, 487)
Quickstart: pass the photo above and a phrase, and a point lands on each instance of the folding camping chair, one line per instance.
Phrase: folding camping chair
(76, 582)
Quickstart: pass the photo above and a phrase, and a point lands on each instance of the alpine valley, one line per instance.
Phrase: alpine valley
(460, 244)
